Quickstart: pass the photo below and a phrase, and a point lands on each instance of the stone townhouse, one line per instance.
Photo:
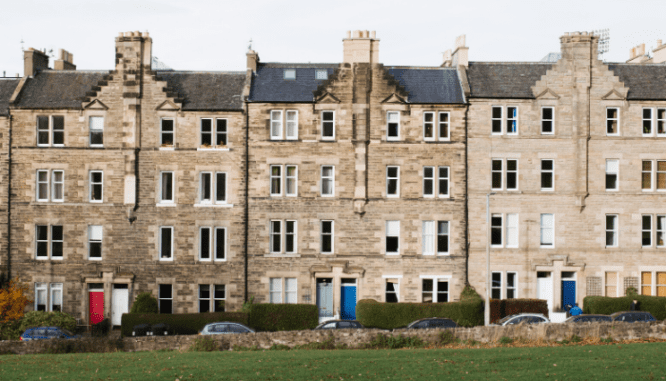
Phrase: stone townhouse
(357, 181)
(572, 154)
(126, 181)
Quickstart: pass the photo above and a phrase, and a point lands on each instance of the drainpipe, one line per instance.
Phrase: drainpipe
(467, 243)
(9, 204)
(247, 191)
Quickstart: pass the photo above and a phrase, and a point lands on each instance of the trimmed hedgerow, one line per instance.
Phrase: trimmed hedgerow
(505, 307)
(656, 305)
(395, 315)
(283, 317)
(181, 324)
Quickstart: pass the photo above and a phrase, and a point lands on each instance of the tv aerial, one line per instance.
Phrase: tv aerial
(604, 41)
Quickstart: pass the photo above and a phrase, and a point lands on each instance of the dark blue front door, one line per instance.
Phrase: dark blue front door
(348, 297)
(568, 293)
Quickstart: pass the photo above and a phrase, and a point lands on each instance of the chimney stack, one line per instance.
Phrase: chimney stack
(134, 51)
(460, 54)
(34, 61)
(65, 61)
(252, 60)
(447, 59)
(361, 46)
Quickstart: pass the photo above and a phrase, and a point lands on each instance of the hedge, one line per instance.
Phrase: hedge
(656, 305)
(506, 307)
(395, 315)
(283, 317)
(181, 324)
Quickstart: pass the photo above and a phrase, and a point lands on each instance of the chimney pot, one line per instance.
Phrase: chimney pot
(146, 34)
(357, 34)
(658, 43)
(373, 34)
(137, 33)
(349, 34)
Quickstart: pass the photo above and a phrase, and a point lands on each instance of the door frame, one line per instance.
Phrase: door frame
(345, 282)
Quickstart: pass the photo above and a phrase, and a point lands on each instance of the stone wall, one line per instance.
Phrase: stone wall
(353, 338)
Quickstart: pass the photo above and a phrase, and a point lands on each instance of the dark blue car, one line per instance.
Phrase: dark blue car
(42, 333)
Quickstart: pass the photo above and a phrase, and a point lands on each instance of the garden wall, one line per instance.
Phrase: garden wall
(540, 332)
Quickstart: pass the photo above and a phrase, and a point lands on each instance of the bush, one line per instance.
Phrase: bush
(505, 340)
(10, 330)
(283, 317)
(181, 324)
(447, 337)
(469, 294)
(395, 315)
(145, 303)
(205, 344)
(47, 319)
(101, 329)
(382, 341)
(656, 305)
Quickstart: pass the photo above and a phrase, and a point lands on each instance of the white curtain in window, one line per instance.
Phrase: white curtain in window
(393, 228)
(290, 292)
(276, 290)
(612, 166)
(96, 123)
(512, 230)
(428, 237)
(547, 229)
(95, 233)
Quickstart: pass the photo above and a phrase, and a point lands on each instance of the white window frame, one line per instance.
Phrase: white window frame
(493, 287)
(293, 236)
(203, 188)
(217, 244)
(509, 119)
(330, 178)
(386, 236)
(50, 241)
(203, 299)
(288, 178)
(275, 294)
(289, 74)
(51, 184)
(92, 241)
(278, 178)
(285, 294)
(515, 286)
(51, 131)
(324, 137)
(209, 250)
(617, 119)
(55, 184)
(660, 122)
(396, 289)
(160, 244)
(53, 288)
(93, 184)
(436, 279)
(388, 122)
(650, 230)
(506, 174)
(287, 122)
(551, 120)
(213, 244)
(497, 171)
(41, 287)
(283, 235)
(614, 230)
(447, 235)
(432, 124)
(650, 172)
(216, 186)
(162, 132)
(160, 297)
(215, 299)
(506, 225)
(500, 119)
(550, 172)
(609, 163)
(446, 123)
(276, 122)
(432, 179)
(273, 234)
(214, 133)
(542, 229)
(321, 74)
(40, 184)
(90, 130)
(660, 232)
(428, 237)
(440, 178)
(649, 121)
(162, 200)
(396, 179)
(322, 234)
(494, 227)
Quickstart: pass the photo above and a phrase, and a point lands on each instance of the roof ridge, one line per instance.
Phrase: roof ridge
(201, 72)
(512, 62)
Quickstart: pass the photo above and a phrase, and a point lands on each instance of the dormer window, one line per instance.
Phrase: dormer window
(321, 74)
(289, 73)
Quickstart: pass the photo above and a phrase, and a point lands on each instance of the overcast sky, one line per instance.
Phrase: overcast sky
(213, 35)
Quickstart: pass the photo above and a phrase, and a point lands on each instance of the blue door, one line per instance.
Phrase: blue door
(568, 293)
(325, 298)
(348, 298)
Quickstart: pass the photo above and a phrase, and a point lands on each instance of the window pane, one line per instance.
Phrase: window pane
(59, 129)
(166, 242)
(167, 186)
(221, 187)
(220, 243)
(204, 243)
(221, 139)
(205, 186)
(206, 132)
(428, 237)
(219, 291)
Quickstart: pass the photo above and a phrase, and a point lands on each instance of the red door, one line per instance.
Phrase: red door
(96, 307)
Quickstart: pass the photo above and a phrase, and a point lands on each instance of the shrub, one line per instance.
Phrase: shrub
(283, 317)
(145, 303)
(204, 344)
(395, 315)
(631, 291)
(656, 305)
(507, 307)
(181, 324)
(505, 340)
(47, 319)
(382, 341)
(247, 306)
(13, 300)
(447, 337)
(101, 329)
(469, 294)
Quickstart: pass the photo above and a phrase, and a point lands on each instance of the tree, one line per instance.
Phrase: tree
(13, 299)
(145, 303)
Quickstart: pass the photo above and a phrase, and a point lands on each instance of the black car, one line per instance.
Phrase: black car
(632, 316)
(589, 319)
(434, 322)
(339, 324)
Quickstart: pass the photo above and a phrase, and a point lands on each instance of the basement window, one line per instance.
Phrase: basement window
(290, 74)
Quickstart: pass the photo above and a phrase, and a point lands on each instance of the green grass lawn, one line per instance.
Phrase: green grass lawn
(605, 362)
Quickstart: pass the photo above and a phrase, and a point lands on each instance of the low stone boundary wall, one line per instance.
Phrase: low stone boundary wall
(353, 337)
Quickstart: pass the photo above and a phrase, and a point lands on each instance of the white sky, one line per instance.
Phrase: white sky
(213, 35)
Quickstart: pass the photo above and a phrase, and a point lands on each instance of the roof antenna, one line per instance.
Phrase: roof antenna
(22, 49)
(249, 47)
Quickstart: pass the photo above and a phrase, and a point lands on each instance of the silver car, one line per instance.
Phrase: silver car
(524, 318)
(225, 327)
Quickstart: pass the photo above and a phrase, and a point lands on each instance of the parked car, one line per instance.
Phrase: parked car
(632, 316)
(141, 330)
(225, 327)
(589, 319)
(160, 329)
(433, 322)
(42, 333)
(523, 318)
(339, 324)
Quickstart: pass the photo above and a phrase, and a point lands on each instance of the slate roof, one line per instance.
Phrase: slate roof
(504, 80)
(7, 87)
(645, 82)
(207, 90)
(58, 89)
(269, 85)
(429, 85)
